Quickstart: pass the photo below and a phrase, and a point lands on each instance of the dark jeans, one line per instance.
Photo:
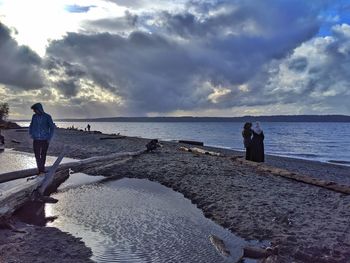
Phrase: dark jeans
(40, 150)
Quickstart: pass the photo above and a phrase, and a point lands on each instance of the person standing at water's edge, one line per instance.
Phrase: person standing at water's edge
(257, 145)
(247, 139)
(41, 130)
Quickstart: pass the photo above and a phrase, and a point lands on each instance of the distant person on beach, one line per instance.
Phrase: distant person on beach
(257, 145)
(247, 139)
(2, 139)
(2, 142)
(41, 130)
(88, 127)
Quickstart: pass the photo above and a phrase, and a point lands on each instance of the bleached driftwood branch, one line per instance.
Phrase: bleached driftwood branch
(5, 177)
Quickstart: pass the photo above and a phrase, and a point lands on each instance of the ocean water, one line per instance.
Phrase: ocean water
(326, 142)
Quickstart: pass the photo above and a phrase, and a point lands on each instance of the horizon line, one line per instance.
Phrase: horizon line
(195, 117)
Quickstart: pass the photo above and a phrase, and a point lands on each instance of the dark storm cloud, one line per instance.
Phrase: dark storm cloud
(69, 88)
(189, 55)
(54, 66)
(19, 65)
(69, 76)
(145, 69)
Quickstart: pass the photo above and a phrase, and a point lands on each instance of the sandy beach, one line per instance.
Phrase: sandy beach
(307, 223)
(41, 244)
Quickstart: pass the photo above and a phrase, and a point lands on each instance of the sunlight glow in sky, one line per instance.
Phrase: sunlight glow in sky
(38, 21)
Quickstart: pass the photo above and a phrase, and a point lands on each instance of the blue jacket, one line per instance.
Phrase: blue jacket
(41, 126)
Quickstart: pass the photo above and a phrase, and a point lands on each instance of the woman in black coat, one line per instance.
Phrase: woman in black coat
(257, 145)
(247, 139)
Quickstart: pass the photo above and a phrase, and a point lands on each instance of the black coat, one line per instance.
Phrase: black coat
(247, 137)
(247, 140)
(257, 147)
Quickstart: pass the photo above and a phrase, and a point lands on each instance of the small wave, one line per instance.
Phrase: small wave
(305, 155)
(308, 155)
(339, 162)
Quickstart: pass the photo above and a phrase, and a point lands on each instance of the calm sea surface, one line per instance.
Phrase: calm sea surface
(315, 141)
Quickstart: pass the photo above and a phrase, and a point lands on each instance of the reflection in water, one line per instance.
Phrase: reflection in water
(134, 220)
(12, 161)
(34, 213)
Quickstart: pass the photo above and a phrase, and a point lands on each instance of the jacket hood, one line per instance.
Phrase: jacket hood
(38, 107)
(257, 128)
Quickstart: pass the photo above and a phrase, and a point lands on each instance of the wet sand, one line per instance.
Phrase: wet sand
(307, 223)
(41, 244)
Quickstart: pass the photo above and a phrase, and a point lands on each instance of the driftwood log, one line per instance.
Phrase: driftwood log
(200, 151)
(114, 137)
(14, 198)
(49, 176)
(75, 165)
(219, 245)
(191, 142)
(330, 185)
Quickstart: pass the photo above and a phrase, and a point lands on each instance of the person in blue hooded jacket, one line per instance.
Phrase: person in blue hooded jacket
(41, 130)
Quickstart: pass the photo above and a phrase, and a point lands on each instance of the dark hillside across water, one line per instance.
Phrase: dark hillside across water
(275, 118)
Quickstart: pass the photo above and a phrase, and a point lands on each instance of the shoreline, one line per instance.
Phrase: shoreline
(293, 158)
(251, 204)
(293, 155)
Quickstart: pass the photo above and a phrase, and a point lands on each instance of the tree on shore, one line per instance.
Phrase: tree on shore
(4, 110)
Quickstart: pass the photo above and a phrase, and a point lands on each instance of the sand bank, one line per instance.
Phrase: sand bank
(41, 244)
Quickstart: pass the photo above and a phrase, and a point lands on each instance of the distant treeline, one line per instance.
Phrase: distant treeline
(275, 118)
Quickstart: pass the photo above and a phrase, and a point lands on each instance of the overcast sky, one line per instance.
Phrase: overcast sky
(93, 58)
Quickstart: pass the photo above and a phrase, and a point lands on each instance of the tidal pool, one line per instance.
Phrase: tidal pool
(131, 220)
(136, 220)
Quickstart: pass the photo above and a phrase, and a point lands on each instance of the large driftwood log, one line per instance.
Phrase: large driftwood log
(75, 165)
(15, 197)
(330, 185)
(12, 199)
